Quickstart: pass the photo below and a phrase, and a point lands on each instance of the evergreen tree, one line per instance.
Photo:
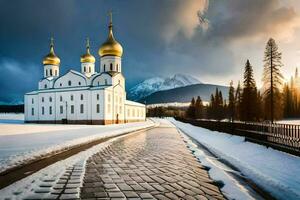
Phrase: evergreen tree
(238, 100)
(231, 104)
(191, 109)
(198, 108)
(272, 79)
(248, 101)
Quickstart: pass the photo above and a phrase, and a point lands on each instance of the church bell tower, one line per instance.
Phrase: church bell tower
(51, 63)
(110, 52)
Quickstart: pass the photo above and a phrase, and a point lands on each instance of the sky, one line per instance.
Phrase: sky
(208, 39)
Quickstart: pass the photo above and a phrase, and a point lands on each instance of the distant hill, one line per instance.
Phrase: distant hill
(12, 108)
(155, 84)
(185, 94)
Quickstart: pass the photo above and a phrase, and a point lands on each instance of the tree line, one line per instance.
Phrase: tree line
(275, 100)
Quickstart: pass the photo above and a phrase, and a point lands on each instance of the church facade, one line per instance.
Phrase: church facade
(86, 97)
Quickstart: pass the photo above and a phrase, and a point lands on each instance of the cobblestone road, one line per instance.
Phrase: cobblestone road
(154, 164)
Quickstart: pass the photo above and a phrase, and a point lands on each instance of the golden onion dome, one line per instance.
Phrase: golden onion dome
(87, 57)
(51, 58)
(111, 47)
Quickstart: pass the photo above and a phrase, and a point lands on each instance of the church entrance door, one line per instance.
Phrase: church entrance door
(117, 121)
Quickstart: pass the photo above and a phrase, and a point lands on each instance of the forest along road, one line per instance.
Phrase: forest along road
(152, 164)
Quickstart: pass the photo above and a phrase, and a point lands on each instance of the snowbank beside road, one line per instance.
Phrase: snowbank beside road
(275, 171)
(16, 149)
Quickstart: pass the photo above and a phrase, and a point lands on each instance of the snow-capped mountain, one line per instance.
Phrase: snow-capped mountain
(155, 84)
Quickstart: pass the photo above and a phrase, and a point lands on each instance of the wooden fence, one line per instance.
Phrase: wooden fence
(283, 137)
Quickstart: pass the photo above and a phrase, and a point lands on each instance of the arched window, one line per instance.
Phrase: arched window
(90, 69)
(79, 83)
(42, 99)
(104, 67)
(46, 72)
(60, 98)
(50, 72)
(55, 72)
(81, 108)
(60, 84)
(69, 83)
(72, 97)
(105, 81)
(117, 67)
(84, 69)
(111, 66)
(81, 96)
(50, 99)
(45, 86)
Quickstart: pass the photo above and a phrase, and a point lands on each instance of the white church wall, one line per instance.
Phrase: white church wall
(110, 63)
(135, 111)
(31, 107)
(102, 79)
(70, 79)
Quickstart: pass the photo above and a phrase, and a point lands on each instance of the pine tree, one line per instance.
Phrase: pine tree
(238, 100)
(249, 95)
(272, 79)
(198, 108)
(231, 104)
(191, 109)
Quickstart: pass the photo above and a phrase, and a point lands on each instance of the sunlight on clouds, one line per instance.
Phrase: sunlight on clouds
(187, 17)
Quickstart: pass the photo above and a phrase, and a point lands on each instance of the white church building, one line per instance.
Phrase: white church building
(86, 97)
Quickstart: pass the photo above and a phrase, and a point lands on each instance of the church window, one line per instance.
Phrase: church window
(79, 83)
(50, 99)
(43, 110)
(60, 84)
(111, 66)
(32, 101)
(105, 81)
(60, 98)
(69, 83)
(72, 109)
(84, 69)
(98, 83)
(117, 67)
(50, 110)
(46, 72)
(97, 96)
(81, 108)
(90, 69)
(72, 97)
(108, 108)
(42, 99)
(61, 109)
(98, 108)
(32, 111)
(45, 86)
(81, 97)
(55, 72)
(50, 72)
(104, 67)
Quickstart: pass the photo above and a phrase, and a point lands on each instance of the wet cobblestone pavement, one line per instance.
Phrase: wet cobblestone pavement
(154, 164)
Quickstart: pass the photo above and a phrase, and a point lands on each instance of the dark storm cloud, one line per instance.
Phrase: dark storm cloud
(159, 37)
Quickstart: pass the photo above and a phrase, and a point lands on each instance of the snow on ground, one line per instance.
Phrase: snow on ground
(12, 118)
(289, 121)
(28, 187)
(27, 142)
(277, 172)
